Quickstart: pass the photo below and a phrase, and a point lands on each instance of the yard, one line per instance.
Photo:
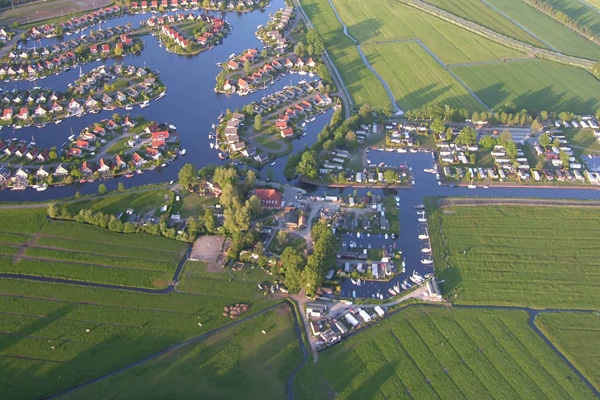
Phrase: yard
(238, 363)
(416, 78)
(140, 201)
(534, 85)
(544, 256)
(426, 352)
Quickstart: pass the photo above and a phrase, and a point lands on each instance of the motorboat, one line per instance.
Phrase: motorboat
(426, 261)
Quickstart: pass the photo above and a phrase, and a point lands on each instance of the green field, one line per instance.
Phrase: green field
(547, 29)
(416, 79)
(362, 85)
(426, 353)
(239, 363)
(390, 20)
(480, 13)
(576, 336)
(585, 141)
(579, 11)
(518, 255)
(534, 85)
(140, 201)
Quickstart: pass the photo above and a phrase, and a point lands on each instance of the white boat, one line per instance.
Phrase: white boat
(419, 207)
(426, 261)
(173, 127)
(472, 186)
(426, 250)
(212, 145)
(422, 220)
(42, 187)
(424, 236)
(129, 107)
(182, 152)
(144, 104)
(273, 163)
(392, 292)
(386, 236)
(403, 286)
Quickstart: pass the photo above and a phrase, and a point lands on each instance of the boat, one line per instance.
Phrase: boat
(129, 174)
(424, 236)
(403, 286)
(471, 186)
(422, 219)
(82, 180)
(426, 250)
(222, 156)
(385, 236)
(392, 292)
(182, 152)
(161, 95)
(138, 171)
(129, 107)
(419, 207)
(212, 145)
(144, 103)
(426, 261)
(173, 127)
(273, 163)
(42, 187)
(18, 126)
(413, 150)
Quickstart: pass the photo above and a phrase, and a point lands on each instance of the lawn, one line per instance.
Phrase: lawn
(585, 141)
(362, 85)
(579, 11)
(426, 353)
(480, 13)
(534, 85)
(390, 20)
(140, 201)
(416, 78)
(48, 9)
(576, 335)
(518, 255)
(392, 214)
(547, 29)
(238, 363)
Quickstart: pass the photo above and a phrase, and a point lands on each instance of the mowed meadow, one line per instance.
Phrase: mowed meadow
(238, 363)
(531, 256)
(426, 352)
(55, 336)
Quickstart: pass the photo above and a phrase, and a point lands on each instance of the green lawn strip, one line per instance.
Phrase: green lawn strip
(238, 363)
(389, 20)
(418, 80)
(547, 29)
(392, 214)
(576, 336)
(13, 238)
(112, 250)
(22, 221)
(534, 85)
(8, 250)
(140, 202)
(478, 12)
(498, 256)
(88, 273)
(68, 229)
(583, 138)
(444, 353)
(103, 260)
(585, 15)
(268, 142)
(362, 85)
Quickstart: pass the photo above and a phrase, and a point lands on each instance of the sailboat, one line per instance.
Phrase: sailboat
(80, 72)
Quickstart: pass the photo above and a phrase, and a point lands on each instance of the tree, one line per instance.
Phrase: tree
(102, 189)
(209, 221)
(467, 136)
(120, 187)
(564, 157)
(544, 140)
(473, 158)
(247, 67)
(505, 137)
(300, 50)
(187, 176)
(536, 126)
(53, 210)
(309, 164)
(118, 50)
(390, 176)
(486, 141)
(257, 122)
(437, 126)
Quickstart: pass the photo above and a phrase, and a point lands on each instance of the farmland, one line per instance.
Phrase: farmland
(547, 29)
(113, 203)
(423, 81)
(518, 255)
(575, 334)
(533, 85)
(239, 363)
(580, 12)
(362, 85)
(480, 13)
(424, 352)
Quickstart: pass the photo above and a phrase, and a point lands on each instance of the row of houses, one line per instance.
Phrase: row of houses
(273, 34)
(153, 5)
(217, 26)
(231, 134)
(75, 23)
(452, 153)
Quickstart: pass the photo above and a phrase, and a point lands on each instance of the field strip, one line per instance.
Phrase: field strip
(519, 25)
(33, 359)
(166, 351)
(518, 202)
(592, 6)
(397, 109)
(82, 263)
(506, 60)
(438, 60)
(37, 234)
(18, 335)
(63, 250)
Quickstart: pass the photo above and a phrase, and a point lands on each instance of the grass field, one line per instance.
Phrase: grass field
(391, 20)
(362, 85)
(576, 335)
(580, 12)
(511, 255)
(416, 79)
(426, 353)
(48, 9)
(480, 13)
(547, 29)
(585, 139)
(112, 203)
(239, 363)
(534, 85)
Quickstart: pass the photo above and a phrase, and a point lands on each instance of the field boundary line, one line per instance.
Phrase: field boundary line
(163, 352)
(483, 201)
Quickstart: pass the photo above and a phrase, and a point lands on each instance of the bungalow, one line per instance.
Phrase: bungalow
(111, 125)
(103, 167)
(82, 144)
(239, 146)
(287, 132)
(233, 139)
(233, 65)
(271, 199)
(61, 171)
(158, 144)
(105, 48)
(56, 107)
(23, 113)
(32, 154)
(85, 170)
(138, 161)
(7, 114)
(121, 96)
(10, 150)
(21, 173)
(99, 130)
(289, 63)
(299, 63)
(41, 173)
(242, 84)
(21, 151)
(119, 161)
(90, 137)
(153, 153)
(43, 156)
(310, 63)
(160, 135)
(238, 116)
(39, 111)
(74, 107)
(90, 102)
(127, 123)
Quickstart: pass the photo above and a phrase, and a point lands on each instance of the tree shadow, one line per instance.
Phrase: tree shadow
(494, 96)
(366, 30)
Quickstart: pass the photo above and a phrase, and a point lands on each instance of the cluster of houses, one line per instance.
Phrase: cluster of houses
(398, 135)
(37, 63)
(273, 34)
(453, 153)
(75, 24)
(165, 5)
(329, 331)
(264, 74)
(5, 34)
(301, 91)
(211, 36)
(231, 137)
